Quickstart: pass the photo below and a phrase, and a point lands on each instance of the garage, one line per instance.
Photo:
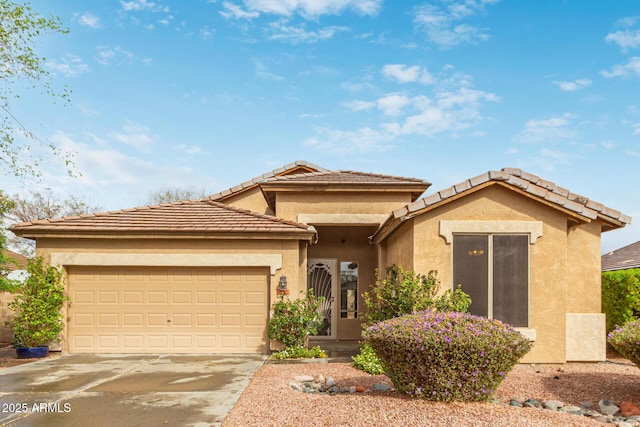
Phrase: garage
(167, 309)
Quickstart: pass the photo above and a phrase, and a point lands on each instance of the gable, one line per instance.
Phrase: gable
(575, 208)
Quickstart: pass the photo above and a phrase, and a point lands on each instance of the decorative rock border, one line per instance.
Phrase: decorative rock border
(625, 415)
(320, 384)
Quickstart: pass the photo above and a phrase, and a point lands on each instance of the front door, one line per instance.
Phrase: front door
(322, 277)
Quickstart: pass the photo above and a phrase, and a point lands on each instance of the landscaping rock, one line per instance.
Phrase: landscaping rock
(381, 387)
(628, 409)
(607, 407)
(554, 405)
(625, 415)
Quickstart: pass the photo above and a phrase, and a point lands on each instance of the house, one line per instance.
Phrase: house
(622, 258)
(200, 276)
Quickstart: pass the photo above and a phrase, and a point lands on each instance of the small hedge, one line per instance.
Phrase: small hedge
(446, 356)
(626, 341)
(621, 296)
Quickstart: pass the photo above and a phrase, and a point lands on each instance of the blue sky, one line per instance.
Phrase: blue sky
(208, 94)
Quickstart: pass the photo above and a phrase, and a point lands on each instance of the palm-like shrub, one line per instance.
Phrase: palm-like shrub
(626, 341)
(446, 356)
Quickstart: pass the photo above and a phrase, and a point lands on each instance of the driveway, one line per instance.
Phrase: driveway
(124, 390)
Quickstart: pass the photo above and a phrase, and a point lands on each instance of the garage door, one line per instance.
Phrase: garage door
(167, 310)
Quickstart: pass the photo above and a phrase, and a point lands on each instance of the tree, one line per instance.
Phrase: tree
(43, 205)
(20, 27)
(5, 261)
(170, 195)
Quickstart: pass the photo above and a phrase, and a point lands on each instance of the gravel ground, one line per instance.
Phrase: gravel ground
(270, 401)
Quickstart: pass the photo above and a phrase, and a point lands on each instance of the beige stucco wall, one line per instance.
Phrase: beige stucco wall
(554, 278)
(291, 204)
(251, 199)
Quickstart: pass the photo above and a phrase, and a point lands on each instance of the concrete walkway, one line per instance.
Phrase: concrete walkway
(124, 390)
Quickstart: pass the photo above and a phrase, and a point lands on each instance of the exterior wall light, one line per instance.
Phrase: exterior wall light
(282, 286)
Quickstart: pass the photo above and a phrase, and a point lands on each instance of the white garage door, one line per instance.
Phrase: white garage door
(167, 310)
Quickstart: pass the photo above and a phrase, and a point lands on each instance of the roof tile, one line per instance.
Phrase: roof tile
(191, 216)
(622, 258)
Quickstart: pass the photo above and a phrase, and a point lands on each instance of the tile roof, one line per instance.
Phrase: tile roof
(187, 217)
(529, 184)
(19, 258)
(344, 177)
(623, 258)
(291, 167)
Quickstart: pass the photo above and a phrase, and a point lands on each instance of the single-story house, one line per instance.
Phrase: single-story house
(622, 258)
(201, 275)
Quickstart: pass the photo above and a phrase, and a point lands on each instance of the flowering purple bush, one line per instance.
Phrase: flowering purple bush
(626, 341)
(446, 356)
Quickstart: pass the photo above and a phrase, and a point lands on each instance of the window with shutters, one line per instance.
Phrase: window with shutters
(494, 270)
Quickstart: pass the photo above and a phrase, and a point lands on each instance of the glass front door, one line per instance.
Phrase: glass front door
(322, 277)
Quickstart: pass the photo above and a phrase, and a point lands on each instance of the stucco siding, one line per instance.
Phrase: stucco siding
(251, 199)
(548, 257)
(583, 269)
(291, 204)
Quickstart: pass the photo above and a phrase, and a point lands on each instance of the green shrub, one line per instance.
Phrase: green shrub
(446, 356)
(300, 353)
(293, 321)
(38, 319)
(620, 296)
(626, 341)
(367, 361)
(404, 292)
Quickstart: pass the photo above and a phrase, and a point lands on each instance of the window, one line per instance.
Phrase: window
(494, 270)
(349, 290)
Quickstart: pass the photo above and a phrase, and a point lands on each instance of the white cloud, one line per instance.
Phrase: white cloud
(364, 139)
(407, 74)
(112, 55)
(134, 135)
(636, 128)
(69, 65)
(626, 39)
(296, 35)
(139, 5)
(234, 11)
(393, 104)
(567, 86)
(263, 73)
(360, 105)
(206, 33)
(89, 20)
(308, 9)
(631, 68)
(547, 130)
(451, 108)
(441, 23)
(190, 149)
(609, 144)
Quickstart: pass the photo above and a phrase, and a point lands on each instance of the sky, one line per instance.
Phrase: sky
(208, 94)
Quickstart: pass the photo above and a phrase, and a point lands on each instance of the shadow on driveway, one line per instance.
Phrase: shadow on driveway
(125, 390)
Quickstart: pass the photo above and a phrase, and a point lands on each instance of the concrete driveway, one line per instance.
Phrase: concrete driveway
(124, 390)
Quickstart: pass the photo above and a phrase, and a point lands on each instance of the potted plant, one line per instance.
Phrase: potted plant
(38, 319)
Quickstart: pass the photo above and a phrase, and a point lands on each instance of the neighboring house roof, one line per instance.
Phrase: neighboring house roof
(623, 258)
(299, 166)
(578, 207)
(19, 258)
(201, 217)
